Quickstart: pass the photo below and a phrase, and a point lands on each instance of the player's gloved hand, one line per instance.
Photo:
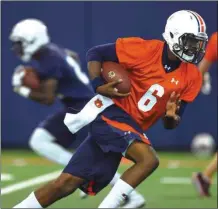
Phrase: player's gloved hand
(17, 77)
(22, 91)
(110, 90)
(173, 105)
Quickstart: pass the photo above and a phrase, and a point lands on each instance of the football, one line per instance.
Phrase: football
(112, 71)
(31, 78)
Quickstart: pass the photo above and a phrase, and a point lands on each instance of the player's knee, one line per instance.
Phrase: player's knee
(65, 184)
(38, 139)
(154, 162)
(151, 161)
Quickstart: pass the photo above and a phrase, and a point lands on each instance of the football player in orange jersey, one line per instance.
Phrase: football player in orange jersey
(164, 79)
(209, 59)
(203, 180)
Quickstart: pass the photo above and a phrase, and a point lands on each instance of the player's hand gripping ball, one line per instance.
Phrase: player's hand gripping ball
(25, 76)
(117, 78)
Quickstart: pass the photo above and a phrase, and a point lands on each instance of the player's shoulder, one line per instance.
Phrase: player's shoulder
(52, 55)
(193, 72)
(138, 41)
(55, 50)
(141, 48)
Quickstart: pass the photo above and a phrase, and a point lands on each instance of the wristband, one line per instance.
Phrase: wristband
(171, 122)
(98, 81)
(24, 91)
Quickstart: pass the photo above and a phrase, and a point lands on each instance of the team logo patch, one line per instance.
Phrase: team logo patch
(111, 74)
(98, 103)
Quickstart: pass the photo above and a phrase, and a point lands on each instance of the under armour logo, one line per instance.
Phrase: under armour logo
(98, 103)
(129, 132)
(173, 80)
(167, 68)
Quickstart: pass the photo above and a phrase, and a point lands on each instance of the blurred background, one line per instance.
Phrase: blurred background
(79, 26)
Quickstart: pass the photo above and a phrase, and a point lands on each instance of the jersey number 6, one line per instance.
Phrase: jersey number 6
(148, 100)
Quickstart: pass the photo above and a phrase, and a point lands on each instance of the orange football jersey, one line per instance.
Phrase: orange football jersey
(211, 51)
(151, 86)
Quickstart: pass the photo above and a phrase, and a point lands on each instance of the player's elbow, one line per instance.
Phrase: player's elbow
(93, 55)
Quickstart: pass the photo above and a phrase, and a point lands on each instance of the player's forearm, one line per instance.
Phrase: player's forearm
(94, 68)
(204, 66)
(43, 98)
(95, 56)
(46, 94)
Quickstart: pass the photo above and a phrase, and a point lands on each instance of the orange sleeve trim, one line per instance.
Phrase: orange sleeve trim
(125, 127)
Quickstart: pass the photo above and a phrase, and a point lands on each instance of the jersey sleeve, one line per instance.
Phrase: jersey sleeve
(130, 51)
(211, 51)
(52, 68)
(102, 53)
(193, 86)
(55, 72)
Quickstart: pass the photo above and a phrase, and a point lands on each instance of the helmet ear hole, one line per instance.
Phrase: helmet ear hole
(171, 35)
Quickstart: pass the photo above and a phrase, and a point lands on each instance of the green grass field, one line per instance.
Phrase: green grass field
(168, 187)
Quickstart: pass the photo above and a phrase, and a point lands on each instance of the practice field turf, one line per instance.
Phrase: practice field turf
(168, 187)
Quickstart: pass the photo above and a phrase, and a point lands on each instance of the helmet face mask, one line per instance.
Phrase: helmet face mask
(17, 48)
(190, 48)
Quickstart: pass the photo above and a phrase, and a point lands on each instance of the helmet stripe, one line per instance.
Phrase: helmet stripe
(196, 19)
(200, 21)
(203, 28)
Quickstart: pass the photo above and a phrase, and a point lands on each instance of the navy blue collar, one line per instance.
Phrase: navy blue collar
(169, 65)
